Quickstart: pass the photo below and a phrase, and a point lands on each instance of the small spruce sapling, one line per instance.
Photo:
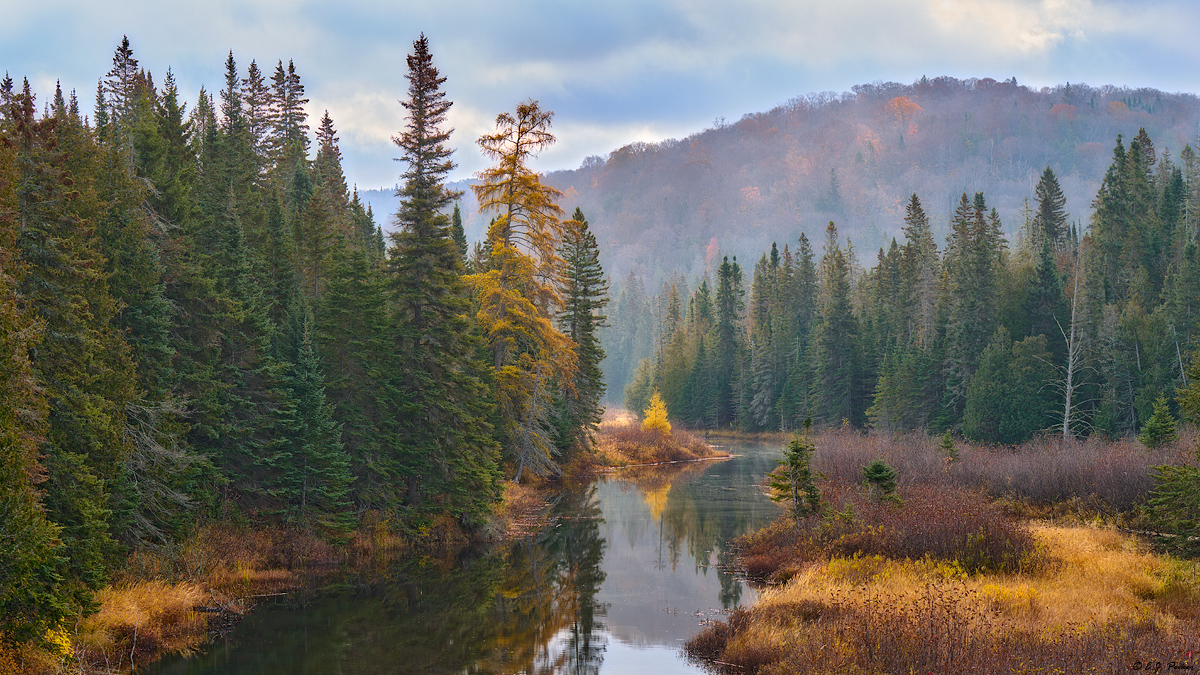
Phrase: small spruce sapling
(947, 447)
(795, 481)
(1159, 430)
(880, 480)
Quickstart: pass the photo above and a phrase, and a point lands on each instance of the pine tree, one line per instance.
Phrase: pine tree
(585, 294)
(456, 229)
(1007, 400)
(83, 362)
(31, 592)
(795, 480)
(970, 289)
(310, 469)
(454, 455)
(727, 340)
(1050, 220)
(1159, 430)
(836, 340)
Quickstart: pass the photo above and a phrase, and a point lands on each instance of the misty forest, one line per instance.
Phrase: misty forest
(209, 335)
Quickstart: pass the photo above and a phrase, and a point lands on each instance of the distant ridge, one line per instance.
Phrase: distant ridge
(658, 207)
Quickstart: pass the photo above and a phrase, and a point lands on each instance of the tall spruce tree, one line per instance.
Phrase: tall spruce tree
(585, 294)
(454, 456)
(836, 340)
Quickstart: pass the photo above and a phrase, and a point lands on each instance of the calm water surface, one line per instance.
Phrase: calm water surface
(634, 565)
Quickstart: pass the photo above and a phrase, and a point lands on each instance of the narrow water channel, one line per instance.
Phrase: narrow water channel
(632, 568)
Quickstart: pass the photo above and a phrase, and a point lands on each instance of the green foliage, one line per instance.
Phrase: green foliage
(449, 455)
(585, 294)
(1007, 400)
(1159, 430)
(879, 478)
(947, 446)
(795, 481)
(1174, 508)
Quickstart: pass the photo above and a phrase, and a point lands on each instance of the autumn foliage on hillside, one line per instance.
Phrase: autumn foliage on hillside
(855, 157)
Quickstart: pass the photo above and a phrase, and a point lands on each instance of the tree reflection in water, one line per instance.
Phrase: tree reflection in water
(536, 606)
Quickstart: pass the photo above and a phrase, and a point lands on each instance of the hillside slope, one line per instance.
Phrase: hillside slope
(855, 158)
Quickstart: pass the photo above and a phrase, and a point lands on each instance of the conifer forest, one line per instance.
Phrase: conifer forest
(203, 321)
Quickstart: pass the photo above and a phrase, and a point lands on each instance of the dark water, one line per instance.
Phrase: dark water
(633, 566)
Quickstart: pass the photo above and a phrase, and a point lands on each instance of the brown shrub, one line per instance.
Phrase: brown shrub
(1044, 471)
(930, 521)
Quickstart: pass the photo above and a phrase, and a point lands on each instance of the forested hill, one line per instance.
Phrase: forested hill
(856, 158)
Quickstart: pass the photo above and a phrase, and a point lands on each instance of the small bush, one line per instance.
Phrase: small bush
(932, 522)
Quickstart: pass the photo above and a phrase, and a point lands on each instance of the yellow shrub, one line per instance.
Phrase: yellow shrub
(656, 415)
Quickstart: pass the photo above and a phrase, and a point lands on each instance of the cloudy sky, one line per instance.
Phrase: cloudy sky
(614, 72)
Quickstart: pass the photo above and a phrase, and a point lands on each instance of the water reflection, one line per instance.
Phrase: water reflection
(617, 585)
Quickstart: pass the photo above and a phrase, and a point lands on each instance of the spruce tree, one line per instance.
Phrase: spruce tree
(311, 471)
(585, 294)
(836, 340)
(1050, 220)
(453, 454)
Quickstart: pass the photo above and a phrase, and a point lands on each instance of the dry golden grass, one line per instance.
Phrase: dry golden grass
(138, 622)
(1101, 600)
(628, 444)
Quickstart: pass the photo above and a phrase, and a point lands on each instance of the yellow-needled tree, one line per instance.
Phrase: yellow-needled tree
(517, 288)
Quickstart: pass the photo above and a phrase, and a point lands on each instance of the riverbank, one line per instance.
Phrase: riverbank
(622, 441)
(176, 599)
(953, 575)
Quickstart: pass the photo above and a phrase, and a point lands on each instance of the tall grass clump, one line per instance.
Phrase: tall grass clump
(1101, 602)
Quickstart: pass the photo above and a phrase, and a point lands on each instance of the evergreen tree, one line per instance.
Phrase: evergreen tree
(585, 294)
(795, 480)
(727, 340)
(1050, 219)
(454, 455)
(31, 592)
(310, 469)
(83, 363)
(456, 230)
(970, 288)
(1159, 430)
(836, 340)
(1007, 400)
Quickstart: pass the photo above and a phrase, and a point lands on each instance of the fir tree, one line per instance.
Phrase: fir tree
(453, 453)
(836, 340)
(585, 294)
(795, 480)
(1159, 430)
(1050, 219)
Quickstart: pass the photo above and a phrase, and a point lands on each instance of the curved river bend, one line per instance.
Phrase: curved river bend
(632, 568)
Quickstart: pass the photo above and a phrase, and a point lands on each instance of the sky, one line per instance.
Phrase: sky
(613, 72)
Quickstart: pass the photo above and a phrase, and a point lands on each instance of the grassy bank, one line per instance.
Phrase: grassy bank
(955, 575)
(622, 441)
(1098, 600)
(174, 599)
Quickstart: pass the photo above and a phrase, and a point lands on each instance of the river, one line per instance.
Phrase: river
(634, 564)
